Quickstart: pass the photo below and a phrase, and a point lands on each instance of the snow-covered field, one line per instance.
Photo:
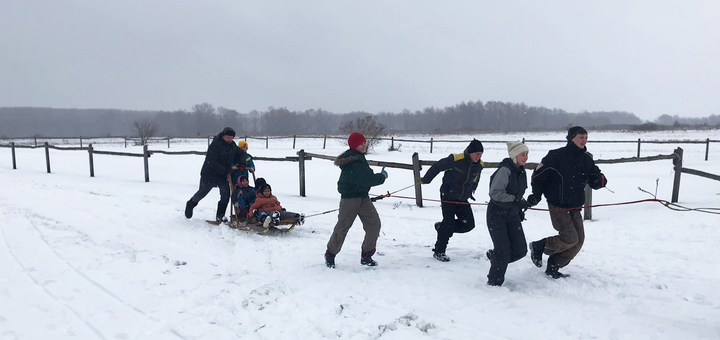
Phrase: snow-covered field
(113, 257)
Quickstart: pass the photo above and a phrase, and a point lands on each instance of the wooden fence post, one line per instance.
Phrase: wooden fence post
(81, 141)
(125, 138)
(416, 175)
(707, 148)
(92, 165)
(587, 211)
(168, 138)
(294, 142)
(325, 142)
(392, 143)
(12, 145)
(266, 142)
(638, 154)
(678, 170)
(36, 141)
(47, 156)
(431, 144)
(145, 159)
(301, 164)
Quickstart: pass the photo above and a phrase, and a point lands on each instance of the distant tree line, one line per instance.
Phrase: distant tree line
(205, 119)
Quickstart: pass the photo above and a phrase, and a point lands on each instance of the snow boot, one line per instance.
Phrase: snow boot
(329, 259)
(189, 206)
(552, 270)
(366, 259)
(266, 223)
(536, 252)
(440, 256)
(490, 254)
(301, 219)
(438, 225)
(221, 219)
(276, 218)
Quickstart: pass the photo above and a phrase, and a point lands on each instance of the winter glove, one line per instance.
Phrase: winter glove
(384, 173)
(523, 204)
(471, 197)
(522, 215)
(533, 200)
(598, 181)
(424, 181)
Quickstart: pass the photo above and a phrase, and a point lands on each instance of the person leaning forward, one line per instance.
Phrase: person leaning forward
(355, 181)
(462, 173)
(218, 164)
(561, 176)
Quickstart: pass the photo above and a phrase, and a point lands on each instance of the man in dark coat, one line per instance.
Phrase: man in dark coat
(561, 177)
(214, 172)
(462, 173)
(354, 184)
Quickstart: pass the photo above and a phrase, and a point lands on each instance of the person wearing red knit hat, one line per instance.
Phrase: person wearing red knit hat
(354, 184)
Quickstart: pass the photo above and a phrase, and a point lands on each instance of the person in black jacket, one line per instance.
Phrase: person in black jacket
(214, 172)
(462, 173)
(505, 213)
(561, 177)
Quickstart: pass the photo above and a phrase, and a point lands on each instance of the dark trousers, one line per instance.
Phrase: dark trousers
(570, 237)
(464, 222)
(508, 242)
(206, 184)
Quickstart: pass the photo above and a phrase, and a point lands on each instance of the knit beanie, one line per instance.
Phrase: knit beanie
(574, 131)
(475, 146)
(259, 182)
(516, 148)
(355, 139)
(263, 187)
(228, 131)
(242, 144)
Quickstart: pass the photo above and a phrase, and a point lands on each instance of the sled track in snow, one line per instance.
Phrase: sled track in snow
(92, 282)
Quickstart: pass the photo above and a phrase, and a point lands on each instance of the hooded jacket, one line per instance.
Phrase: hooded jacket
(460, 179)
(356, 177)
(563, 174)
(219, 158)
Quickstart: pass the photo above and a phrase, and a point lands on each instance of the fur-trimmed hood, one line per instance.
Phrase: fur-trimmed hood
(346, 158)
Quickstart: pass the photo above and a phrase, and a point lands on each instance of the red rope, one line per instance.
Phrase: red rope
(539, 209)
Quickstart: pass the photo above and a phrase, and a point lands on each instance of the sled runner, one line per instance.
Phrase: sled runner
(285, 226)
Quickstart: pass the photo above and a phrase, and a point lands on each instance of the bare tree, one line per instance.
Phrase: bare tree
(368, 126)
(144, 129)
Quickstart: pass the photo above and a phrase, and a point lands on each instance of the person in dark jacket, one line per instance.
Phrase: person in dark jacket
(561, 177)
(505, 212)
(462, 173)
(355, 181)
(214, 172)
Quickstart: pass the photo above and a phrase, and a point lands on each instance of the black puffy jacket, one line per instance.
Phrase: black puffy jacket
(563, 174)
(460, 179)
(218, 159)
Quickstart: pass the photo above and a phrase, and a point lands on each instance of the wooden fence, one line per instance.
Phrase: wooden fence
(415, 166)
(392, 141)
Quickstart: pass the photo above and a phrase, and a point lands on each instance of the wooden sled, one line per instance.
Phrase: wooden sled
(256, 227)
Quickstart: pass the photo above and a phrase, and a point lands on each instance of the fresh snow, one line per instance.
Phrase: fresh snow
(113, 257)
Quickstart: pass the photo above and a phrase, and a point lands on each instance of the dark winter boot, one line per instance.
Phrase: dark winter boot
(438, 225)
(440, 256)
(490, 255)
(536, 252)
(552, 269)
(366, 259)
(189, 206)
(221, 219)
(329, 259)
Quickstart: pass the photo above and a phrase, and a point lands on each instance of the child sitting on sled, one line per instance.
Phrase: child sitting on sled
(269, 209)
(243, 188)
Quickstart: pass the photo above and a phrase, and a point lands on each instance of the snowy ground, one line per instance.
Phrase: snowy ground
(112, 257)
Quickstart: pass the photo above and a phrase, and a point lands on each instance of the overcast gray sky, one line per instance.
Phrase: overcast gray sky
(646, 57)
